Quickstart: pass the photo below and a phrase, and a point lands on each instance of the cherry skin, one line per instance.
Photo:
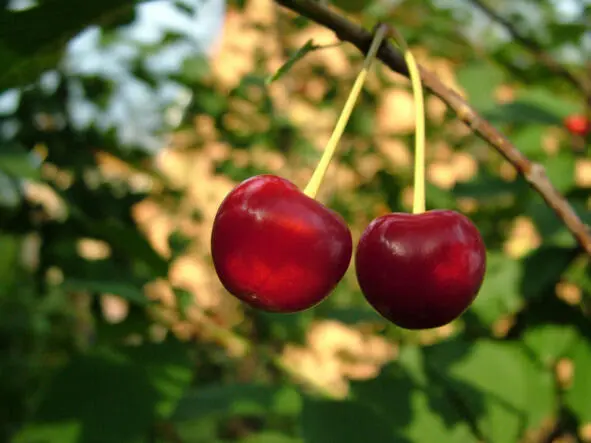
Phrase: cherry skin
(277, 249)
(421, 271)
(578, 124)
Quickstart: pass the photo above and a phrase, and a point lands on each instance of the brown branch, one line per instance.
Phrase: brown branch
(535, 49)
(534, 173)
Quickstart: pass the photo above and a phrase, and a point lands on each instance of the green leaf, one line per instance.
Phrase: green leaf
(500, 292)
(420, 411)
(18, 163)
(578, 395)
(529, 141)
(309, 46)
(542, 401)
(325, 421)
(33, 40)
(548, 342)
(546, 100)
(488, 187)
(561, 171)
(543, 268)
(111, 395)
(521, 112)
(270, 437)
(124, 290)
(472, 76)
(489, 380)
(237, 399)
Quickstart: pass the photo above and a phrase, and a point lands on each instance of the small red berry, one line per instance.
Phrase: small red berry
(421, 271)
(277, 249)
(578, 124)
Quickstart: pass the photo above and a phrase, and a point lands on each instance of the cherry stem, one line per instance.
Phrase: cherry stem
(418, 205)
(314, 184)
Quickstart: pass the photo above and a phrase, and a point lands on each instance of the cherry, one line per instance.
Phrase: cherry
(277, 249)
(421, 270)
(577, 124)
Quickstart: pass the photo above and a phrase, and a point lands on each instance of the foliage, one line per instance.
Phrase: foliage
(113, 327)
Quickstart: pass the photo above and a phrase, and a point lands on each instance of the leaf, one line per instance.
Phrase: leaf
(325, 421)
(420, 411)
(578, 394)
(18, 163)
(487, 187)
(548, 342)
(309, 46)
(122, 289)
(543, 268)
(270, 437)
(489, 380)
(521, 112)
(542, 397)
(560, 170)
(111, 395)
(33, 40)
(473, 76)
(499, 294)
(529, 141)
(236, 399)
(546, 100)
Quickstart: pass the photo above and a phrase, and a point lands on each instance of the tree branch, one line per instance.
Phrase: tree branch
(535, 49)
(534, 173)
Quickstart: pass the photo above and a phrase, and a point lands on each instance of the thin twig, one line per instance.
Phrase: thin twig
(534, 173)
(541, 56)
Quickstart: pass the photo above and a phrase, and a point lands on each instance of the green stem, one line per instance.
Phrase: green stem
(314, 184)
(418, 205)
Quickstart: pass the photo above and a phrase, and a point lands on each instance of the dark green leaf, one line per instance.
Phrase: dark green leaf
(325, 421)
(236, 399)
(543, 268)
(124, 290)
(109, 396)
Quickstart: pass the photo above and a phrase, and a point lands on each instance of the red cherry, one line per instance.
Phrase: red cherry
(277, 249)
(577, 124)
(421, 271)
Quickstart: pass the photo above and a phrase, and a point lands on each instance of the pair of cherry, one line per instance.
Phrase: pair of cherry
(279, 250)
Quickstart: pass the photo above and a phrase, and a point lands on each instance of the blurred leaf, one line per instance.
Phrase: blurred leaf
(235, 399)
(325, 421)
(549, 342)
(542, 395)
(419, 411)
(489, 379)
(578, 394)
(270, 437)
(487, 187)
(32, 40)
(561, 171)
(124, 290)
(528, 140)
(309, 46)
(548, 101)
(499, 294)
(9, 251)
(542, 269)
(472, 76)
(18, 163)
(521, 112)
(111, 396)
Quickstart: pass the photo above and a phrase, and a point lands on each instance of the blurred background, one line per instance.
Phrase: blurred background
(124, 124)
